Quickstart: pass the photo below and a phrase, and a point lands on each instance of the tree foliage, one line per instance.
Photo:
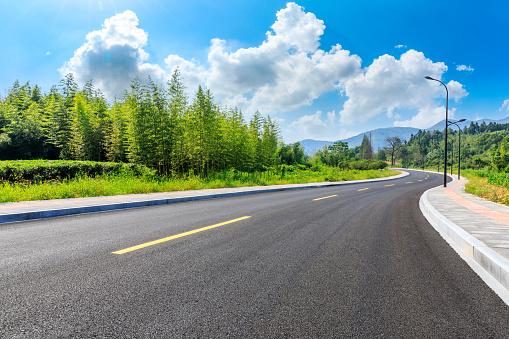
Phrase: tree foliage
(480, 145)
(155, 125)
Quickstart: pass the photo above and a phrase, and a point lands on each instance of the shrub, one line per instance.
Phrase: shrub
(48, 170)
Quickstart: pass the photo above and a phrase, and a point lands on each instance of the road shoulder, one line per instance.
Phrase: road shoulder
(476, 230)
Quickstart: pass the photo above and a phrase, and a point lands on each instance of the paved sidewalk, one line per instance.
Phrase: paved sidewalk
(479, 227)
(29, 210)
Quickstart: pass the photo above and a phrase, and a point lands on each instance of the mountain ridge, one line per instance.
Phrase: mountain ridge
(379, 135)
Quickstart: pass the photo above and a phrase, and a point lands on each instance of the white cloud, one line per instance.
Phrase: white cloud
(505, 105)
(427, 117)
(48, 53)
(286, 71)
(193, 73)
(464, 68)
(113, 56)
(389, 84)
(313, 127)
(310, 125)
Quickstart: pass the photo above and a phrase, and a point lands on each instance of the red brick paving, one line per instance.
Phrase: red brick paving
(483, 210)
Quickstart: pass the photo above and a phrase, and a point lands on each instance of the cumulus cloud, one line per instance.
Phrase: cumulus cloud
(464, 68)
(389, 84)
(505, 106)
(113, 56)
(310, 125)
(315, 127)
(427, 117)
(286, 71)
(190, 70)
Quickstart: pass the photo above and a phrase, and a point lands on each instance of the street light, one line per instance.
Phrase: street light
(449, 123)
(446, 119)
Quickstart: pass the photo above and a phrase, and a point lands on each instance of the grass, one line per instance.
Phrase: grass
(107, 185)
(488, 185)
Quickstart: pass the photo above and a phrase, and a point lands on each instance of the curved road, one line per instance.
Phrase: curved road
(356, 261)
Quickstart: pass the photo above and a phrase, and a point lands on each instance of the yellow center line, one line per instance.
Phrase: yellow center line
(420, 180)
(410, 182)
(147, 244)
(390, 185)
(330, 196)
(362, 189)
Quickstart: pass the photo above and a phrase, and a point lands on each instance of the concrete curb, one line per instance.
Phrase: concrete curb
(25, 216)
(492, 262)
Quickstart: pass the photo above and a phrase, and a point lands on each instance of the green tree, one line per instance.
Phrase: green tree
(393, 145)
(177, 103)
(116, 138)
(500, 156)
(366, 148)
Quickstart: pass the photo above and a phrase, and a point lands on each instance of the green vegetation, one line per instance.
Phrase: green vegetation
(116, 179)
(72, 143)
(488, 185)
(484, 156)
(151, 125)
(37, 171)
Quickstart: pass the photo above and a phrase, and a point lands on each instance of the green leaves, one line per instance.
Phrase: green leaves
(152, 125)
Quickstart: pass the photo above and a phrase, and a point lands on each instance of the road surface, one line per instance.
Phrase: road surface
(356, 261)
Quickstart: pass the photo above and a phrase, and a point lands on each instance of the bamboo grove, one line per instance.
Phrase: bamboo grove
(153, 125)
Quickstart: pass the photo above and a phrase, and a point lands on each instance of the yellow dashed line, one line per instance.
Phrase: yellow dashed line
(390, 185)
(147, 244)
(330, 196)
(362, 189)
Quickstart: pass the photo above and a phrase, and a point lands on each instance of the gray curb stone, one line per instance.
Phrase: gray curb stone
(492, 262)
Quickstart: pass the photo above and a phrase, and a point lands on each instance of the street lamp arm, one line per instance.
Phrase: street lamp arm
(455, 122)
(430, 78)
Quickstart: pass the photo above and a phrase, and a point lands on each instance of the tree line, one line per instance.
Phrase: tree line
(152, 124)
(480, 146)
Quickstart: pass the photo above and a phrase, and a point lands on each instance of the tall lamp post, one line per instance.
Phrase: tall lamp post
(449, 123)
(446, 119)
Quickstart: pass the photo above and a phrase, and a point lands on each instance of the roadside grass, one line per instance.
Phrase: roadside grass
(485, 184)
(489, 186)
(115, 184)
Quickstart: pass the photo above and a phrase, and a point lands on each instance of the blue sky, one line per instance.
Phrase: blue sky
(324, 69)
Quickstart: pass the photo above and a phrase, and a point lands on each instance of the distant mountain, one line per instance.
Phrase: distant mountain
(379, 135)
(311, 146)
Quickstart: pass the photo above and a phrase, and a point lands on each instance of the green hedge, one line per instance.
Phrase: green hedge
(367, 165)
(44, 170)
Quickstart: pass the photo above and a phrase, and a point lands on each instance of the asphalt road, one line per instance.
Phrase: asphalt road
(361, 262)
